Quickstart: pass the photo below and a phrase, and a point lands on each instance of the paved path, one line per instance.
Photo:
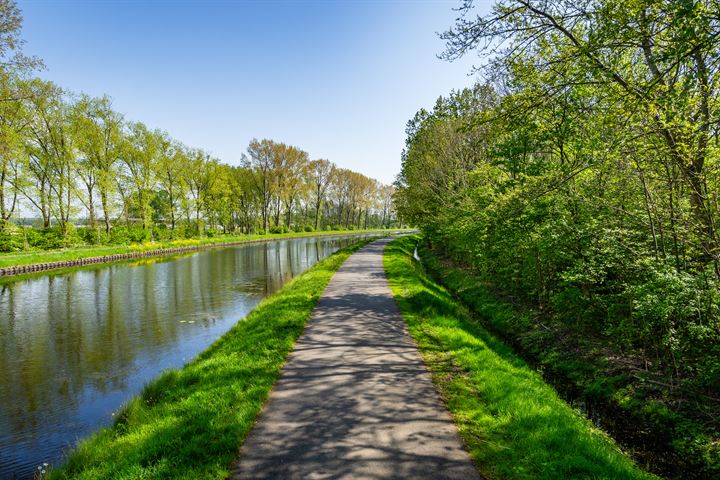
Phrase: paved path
(354, 399)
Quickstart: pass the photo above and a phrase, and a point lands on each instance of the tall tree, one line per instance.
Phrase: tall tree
(140, 156)
(260, 160)
(321, 174)
(97, 133)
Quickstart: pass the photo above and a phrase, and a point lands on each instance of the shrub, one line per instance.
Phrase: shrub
(11, 238)
(93, 235)
(278, 229)
(49, 238)
(119, 235)
(162, 233)
(308, 228)
(138, 234)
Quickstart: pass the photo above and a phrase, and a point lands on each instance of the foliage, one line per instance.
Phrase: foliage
(580, 180)
(637, 404)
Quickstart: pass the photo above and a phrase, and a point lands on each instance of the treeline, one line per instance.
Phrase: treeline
(65, 157)
(582, 182)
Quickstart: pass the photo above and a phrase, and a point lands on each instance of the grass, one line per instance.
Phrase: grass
(190, 423)
(514, 424)
(15, 259)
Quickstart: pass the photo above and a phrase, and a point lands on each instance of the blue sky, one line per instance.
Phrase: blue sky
(338, 79)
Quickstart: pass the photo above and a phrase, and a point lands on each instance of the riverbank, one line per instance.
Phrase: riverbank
(189, 423)
(36, 261)
(671, 431)
(514, 424)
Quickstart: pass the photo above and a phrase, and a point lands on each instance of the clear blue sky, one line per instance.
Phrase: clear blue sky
(338, 79)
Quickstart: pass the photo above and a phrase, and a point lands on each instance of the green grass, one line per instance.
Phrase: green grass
(514, 424)
(15, 259)
(190, 423)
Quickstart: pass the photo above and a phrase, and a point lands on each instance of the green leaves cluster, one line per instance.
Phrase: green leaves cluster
(582, 179)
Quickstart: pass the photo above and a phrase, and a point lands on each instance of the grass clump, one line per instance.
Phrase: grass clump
(514, 424)
(189, 423)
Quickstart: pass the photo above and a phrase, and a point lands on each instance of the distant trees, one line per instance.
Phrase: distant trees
(72, 160)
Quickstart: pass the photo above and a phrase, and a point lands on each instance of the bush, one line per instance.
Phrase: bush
(51, 238)
(674, 313)
(119, 235)
(163, 234)
(138, 234)
(93, 235)
(308, 228)
(11, 239)
(278, 229)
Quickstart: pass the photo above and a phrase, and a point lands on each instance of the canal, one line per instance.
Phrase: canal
(75, 346)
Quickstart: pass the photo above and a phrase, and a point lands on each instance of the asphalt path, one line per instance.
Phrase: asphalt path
(354, 399)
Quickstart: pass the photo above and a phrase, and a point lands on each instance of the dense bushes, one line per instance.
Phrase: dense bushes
(579, 212)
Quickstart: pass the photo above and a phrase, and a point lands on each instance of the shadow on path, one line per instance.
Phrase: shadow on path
(354, 399)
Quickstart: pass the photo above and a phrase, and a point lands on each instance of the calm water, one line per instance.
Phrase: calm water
(74, 347)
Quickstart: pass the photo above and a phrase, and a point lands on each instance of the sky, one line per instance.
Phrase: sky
(339, 79)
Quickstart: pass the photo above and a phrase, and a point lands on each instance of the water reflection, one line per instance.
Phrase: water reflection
(75, 346)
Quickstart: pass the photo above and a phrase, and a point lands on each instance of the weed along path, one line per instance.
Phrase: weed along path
(354, 399)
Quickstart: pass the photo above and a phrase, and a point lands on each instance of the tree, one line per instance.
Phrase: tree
(97, 136)
(14, 118)
(259, 160)
(295, 171)
(321, 175)
(200, 178)
(653, 60)
(140, 155)
(173, 169)
(51, 155)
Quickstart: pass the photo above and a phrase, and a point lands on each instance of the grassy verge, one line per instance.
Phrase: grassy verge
(189, 423)
(669, 426)
(514, 424)
(46, 256)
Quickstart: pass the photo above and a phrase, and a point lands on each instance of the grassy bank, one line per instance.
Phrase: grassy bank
(514, 424)
(46, 256)
(669, 428)
(189, 423)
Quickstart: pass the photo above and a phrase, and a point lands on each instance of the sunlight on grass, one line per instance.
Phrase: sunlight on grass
(514, 424)
(190, 423)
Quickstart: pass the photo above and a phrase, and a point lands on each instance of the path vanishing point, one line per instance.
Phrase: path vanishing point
(354, 399)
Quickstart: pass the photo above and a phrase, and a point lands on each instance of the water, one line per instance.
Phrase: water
(74, 347)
